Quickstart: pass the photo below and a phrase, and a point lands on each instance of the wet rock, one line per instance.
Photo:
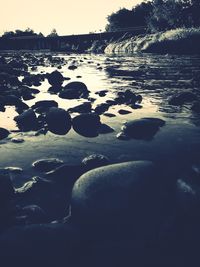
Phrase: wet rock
(72, 67)
(182, 98)
(102, 93)
(101, 108)
(87, 124)
(55, 78)
(17, 140)
(58, 121)
(3, 133)
(94, 161)
(83, 108)
(45, 104)
(110, 115)
(27, 121)
(122, 136)
(124, 112)
(74, 90)
(48, 164)
(33, 214)
(14, 170)
(104, 129)
(126, 193)
(144, 128)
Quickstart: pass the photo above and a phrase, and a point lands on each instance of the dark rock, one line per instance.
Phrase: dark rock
(48, 164)
(45, 104)
(124, 112)
(3, 133)
(83, 108)
(127, 193)
(101, 108)
(144, 128)
(33, 214)
(55, 78)
(182, 98)
(104, 129)
(196, 107)
(72, 67)
(122, 136)
(87, 124)
(94, 161)
(74, 90)
(27, 121)
(58, 121)
(110, 115)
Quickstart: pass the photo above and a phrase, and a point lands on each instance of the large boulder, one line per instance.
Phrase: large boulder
(127, 193)
(182, 98)
(58, 121)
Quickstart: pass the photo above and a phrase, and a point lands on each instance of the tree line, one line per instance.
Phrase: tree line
(157, 15)
(27, 32)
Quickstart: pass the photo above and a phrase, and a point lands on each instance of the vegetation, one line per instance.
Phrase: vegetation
(53, 33)
(19, 33)
(157, 15)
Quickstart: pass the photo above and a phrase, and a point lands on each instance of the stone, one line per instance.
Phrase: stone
(44, 105)
(182, 98)
(123, 111)
(104, 129)
(27, 121)
(74, 90)
(127, 193)
(94, 161)
(55, 78)
(87, 124)
(17, 140)
(58, 121)
(47, 164)
(144, 128)
(3, 133)
(82, 108)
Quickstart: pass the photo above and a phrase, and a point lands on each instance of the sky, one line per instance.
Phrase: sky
(66, 16)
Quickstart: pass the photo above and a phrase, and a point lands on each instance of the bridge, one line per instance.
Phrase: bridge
(68, 42)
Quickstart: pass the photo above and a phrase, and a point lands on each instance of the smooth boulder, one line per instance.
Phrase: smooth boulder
(27, 121)
(58, 121)
(3, 133)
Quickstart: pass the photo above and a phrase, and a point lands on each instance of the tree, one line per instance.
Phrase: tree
(53, 33)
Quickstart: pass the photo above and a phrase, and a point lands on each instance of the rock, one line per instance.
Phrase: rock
(3, 133)
(182, 98)
(83, 108)
(72, 67)
(87, 124)
(55, 78)
(48, 164)
(45, 105)
(94, 161)
(144, 128)
(101, 108)
(33, 214)
(124, 112)
(122, 136)
(58, 121)
(104, 129)
(14, 170)
(27, 121)
(127, 193)
(110, 115)
(17, 140)
(74, 90)
(196, 107)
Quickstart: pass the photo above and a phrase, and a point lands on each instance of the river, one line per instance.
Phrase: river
(154, 77)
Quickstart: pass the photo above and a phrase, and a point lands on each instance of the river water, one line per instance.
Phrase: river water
(155, 77)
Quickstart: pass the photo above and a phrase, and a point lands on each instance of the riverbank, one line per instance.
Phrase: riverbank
(177, 41)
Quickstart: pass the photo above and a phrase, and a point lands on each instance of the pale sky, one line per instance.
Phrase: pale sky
(67, 16)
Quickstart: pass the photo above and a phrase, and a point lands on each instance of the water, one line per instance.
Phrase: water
(155, 77)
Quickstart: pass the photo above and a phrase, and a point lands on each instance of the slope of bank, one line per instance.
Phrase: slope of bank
(177, 41)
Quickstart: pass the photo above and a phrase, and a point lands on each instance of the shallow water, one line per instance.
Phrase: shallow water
(155, 77)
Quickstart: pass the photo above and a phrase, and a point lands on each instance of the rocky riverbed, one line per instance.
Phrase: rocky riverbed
(99, 159)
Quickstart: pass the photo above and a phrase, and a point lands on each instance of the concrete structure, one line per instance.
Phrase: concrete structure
(64, 43)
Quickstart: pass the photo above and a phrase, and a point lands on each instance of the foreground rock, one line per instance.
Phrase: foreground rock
(144, 128)
(55, 78)
(127, 193)
(94, 161)
(58, 121)
(74, 90)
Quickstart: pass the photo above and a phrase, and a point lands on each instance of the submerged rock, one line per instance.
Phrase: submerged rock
(58, 121)
(144, 128)
(182, 98)
(48, 164)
